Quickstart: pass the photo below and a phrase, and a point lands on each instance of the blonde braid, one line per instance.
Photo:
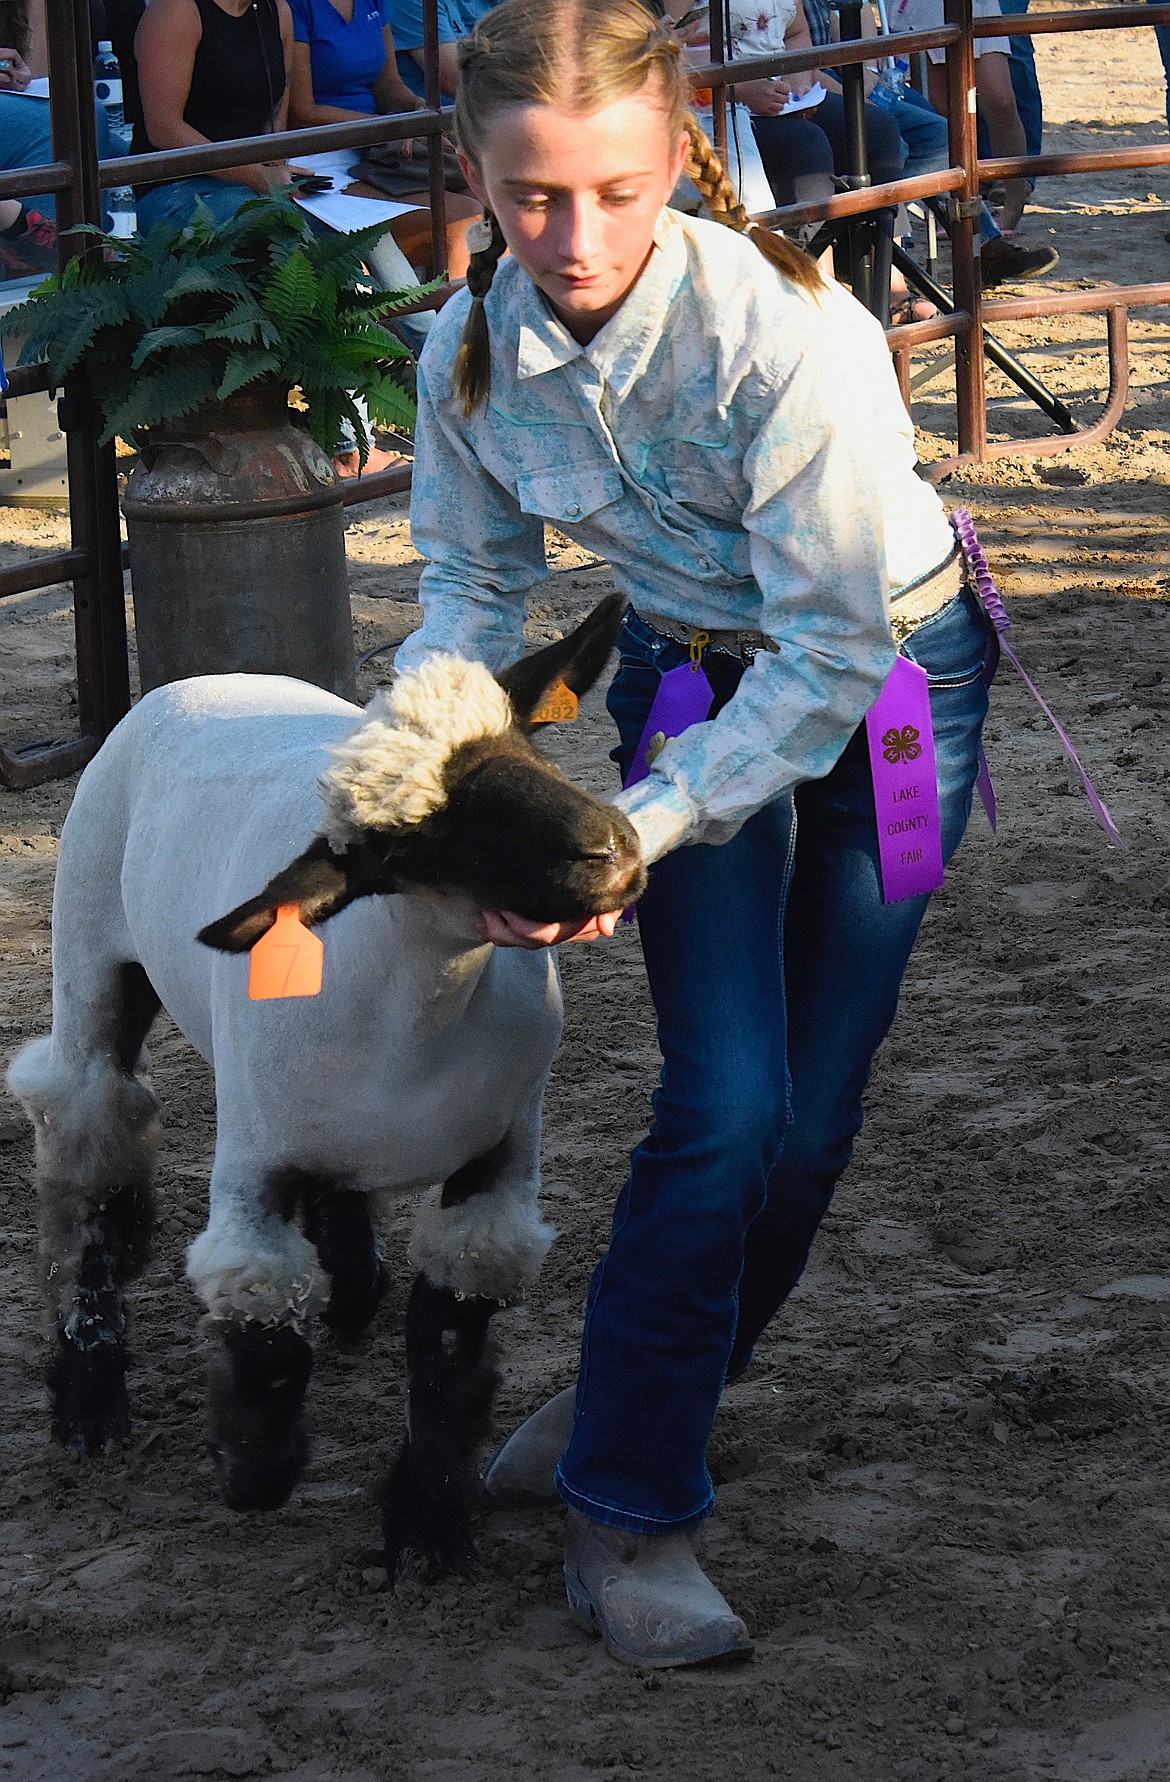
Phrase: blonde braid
(718, 194)
(473, 361)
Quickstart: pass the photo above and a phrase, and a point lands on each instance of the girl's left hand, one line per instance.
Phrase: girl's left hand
(506, 929)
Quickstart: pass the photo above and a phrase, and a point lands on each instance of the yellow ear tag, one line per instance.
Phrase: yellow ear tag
(560, 705)
(288, 960)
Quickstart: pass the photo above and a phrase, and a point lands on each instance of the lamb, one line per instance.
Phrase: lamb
(421, 1065)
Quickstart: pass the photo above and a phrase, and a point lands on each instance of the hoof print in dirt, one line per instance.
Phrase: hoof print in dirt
(91, 1411)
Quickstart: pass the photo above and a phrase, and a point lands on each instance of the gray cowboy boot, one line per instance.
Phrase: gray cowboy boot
(520, 1474)
(648, 1598)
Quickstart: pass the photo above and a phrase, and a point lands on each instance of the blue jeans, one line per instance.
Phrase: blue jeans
(775, 969)
(26, 140)
(924, 131)
(175, 201)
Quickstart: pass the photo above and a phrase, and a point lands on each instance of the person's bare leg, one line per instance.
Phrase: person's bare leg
(412, 232)
(997, 104)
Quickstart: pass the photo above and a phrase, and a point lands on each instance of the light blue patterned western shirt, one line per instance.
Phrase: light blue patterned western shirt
(739, 453)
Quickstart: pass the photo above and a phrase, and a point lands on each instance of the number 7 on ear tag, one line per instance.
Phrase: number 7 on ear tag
(287, 961)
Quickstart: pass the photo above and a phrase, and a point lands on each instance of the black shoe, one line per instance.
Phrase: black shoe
(1006, 263)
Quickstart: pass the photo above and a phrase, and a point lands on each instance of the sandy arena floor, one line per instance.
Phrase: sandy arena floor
(942, 1501)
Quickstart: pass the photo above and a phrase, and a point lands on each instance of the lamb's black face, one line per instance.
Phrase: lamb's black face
(515, 835)
(505, 828)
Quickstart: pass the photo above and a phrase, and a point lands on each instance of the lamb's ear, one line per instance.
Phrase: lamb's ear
(319, 882)
(577, 660)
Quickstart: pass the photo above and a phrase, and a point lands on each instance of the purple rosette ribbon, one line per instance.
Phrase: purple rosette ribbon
(992, 604)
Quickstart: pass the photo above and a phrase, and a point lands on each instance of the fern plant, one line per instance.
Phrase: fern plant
(169, 321)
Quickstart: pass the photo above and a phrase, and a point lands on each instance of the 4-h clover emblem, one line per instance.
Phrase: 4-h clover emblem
(901, 745)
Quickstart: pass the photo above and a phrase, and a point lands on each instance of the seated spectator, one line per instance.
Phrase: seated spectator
(800, 152)
(457, 18)
(209, 70)
(28, 232)
(346, 67)
(993, 87)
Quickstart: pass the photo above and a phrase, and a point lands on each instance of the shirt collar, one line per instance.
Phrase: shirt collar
(619, 349)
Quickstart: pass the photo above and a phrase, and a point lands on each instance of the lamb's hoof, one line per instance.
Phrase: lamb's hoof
(249, 1480)
(90, 1406)
(426, 1531)
(429, 1554)
(355, 1299)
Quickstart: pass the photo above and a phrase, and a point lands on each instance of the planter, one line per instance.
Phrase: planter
(237, 548)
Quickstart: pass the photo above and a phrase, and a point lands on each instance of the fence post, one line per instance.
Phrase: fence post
(99, 608)
(966, 264)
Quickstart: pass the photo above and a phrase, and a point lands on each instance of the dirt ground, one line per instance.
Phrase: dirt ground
(942, 1488)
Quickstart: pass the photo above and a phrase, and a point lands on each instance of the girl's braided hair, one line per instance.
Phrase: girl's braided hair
(581, 55)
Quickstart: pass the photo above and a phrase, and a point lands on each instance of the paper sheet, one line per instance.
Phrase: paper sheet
(336, 164)
(347, 214)
(36, 89)
(803, 101)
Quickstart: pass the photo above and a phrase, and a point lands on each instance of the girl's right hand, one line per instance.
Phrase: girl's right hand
(506, 929)
(767, 98)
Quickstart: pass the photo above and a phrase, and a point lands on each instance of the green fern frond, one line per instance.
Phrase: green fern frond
(160, 340)
(246, 368)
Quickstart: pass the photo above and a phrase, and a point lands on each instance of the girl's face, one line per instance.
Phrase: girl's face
(578, 197)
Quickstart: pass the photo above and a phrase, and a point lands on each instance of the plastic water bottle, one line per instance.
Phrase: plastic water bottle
(892, 80)
(107, 86)
(122, 212)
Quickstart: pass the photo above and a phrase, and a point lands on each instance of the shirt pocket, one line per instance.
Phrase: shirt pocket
(567, 496)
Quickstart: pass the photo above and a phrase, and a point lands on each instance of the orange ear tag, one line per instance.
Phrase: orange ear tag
(288, 960)
(560, 705)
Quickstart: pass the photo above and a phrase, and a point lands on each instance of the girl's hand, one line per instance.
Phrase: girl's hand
(505, 929)
(15, 72)
(767, 98)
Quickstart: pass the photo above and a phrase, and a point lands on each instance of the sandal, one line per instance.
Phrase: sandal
(905, 309)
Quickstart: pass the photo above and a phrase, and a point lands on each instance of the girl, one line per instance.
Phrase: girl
(726, 429)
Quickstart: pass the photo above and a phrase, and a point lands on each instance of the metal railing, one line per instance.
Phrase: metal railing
(95, 560)
(960, 183)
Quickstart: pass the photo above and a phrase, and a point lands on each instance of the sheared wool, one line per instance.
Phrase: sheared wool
(389, 772)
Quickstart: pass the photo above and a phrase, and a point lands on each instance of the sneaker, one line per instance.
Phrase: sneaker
(31, 248)
(1005, 262)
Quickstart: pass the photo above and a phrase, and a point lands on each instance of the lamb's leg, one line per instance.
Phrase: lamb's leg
(260, 1281)
(478, 1245)
(337, 1224)
(451, 1384)
(96, 1130)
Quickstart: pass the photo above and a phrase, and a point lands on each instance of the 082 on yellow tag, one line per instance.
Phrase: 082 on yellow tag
(287, 961)
(560, 705)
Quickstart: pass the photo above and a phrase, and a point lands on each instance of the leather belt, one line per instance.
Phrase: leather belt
(909, 609)
(927, 596)
(745, 645)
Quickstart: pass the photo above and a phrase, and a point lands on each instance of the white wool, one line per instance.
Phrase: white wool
(264, 1272)
(389, 772)
(491, 1245)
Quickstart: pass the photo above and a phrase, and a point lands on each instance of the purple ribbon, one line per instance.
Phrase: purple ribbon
(684, 697)
(990, 600)
(905, 784)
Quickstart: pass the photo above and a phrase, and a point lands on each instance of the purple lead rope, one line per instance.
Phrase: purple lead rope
(992, 604)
